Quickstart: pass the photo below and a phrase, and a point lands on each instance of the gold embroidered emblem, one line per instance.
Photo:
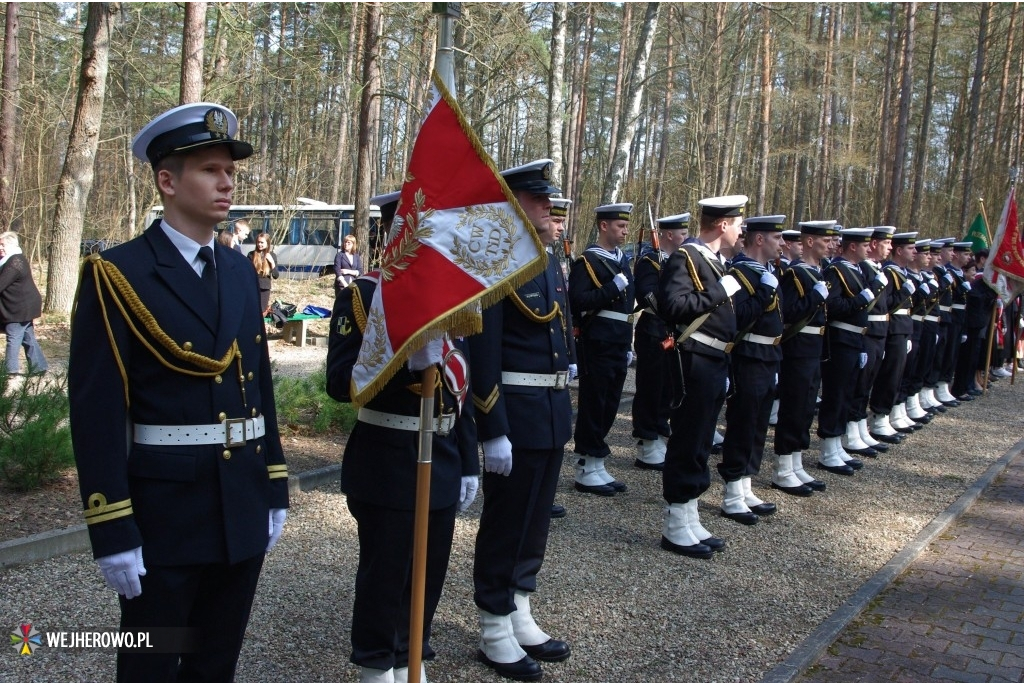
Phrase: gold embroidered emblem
(216, 123)
(492, 238)
(405, 250)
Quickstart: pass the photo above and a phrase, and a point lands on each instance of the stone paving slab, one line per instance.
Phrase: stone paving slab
(956, 614)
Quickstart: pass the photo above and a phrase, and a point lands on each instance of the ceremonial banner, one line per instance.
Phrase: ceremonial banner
(459, 242)
(977, 234)
(1007, 256)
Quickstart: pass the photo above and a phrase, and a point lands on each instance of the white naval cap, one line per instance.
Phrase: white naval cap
(189, 127)
(668, 223)
(620, 210)
(725, 205)
(857, 235)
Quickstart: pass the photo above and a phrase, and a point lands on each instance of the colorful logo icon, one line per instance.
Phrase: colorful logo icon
(25, 639)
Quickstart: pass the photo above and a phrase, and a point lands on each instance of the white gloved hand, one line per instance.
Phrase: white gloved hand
(467, 491)
(822, 289)
(727, 384)
(863, 359)
(948, 278)
(966, 286)
(769, 280)
(909, 287)
(910, 346)
(629, 357)
(122, 572)
(963, 339)
(882, 279)
(574, 372)
(867, 295)
(925, 289)
(730, 284)
(621, 280)
(498, 455)
(277, 517)
(428, 355)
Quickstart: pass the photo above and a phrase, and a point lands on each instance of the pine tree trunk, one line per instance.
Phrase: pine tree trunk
(77, 176)
(193, 41)
(977, 84)
(892, 212)
(368, 120)
(556, 79)
(9, 117)
(921, 149)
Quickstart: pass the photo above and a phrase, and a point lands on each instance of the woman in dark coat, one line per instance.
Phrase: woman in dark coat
(265, 262)
(348, 265)
(20, 303)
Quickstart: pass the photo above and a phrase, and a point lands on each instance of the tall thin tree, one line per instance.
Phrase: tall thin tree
(9, 117)
(193, 42)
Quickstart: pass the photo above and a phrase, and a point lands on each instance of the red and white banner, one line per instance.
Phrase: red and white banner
(459, 242)
(1004, 270)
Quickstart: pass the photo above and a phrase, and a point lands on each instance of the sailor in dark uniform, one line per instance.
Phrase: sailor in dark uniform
(885, 393)
(803, 295)
(695, 296)
(850, 297)
(654, 346)
(941, 373)
(601, 293)
(524, 419)
(960, 255)
(910, 384)
(931, 331)
(379, 474)
(168, 342)
(792, 249)
(755, 367)
(559, 217)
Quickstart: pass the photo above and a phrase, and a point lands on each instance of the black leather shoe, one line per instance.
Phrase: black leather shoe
(698, 551)
(817, 485)
(855, 464)
(796, 490)
(891, 439)
(525, 670)
(557, 511)
(644, 466)
(863, 452)
(747, 518)
(552, 651)
(716, 544)
(906, 431)
(880, 447)
(603, 490)
(617, 486)
(952, 403)
(764, 509)
(966, 397)
(976, 392)
(924, 420)
(941, 409)
(843, 470)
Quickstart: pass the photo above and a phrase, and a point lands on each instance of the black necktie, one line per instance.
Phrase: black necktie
(209, 272)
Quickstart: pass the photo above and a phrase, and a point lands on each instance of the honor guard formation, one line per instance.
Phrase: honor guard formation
(872, 330)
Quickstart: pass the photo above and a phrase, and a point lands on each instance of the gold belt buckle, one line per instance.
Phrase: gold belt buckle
(228, 423)
(728, 347)
(777, 340)
(630, 318)
(445, 423)
(561, 379)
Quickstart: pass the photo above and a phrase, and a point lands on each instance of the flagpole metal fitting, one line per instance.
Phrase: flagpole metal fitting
(447, 13)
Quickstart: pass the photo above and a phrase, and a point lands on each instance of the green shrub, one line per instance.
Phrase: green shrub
(35, 437)
(304, 401)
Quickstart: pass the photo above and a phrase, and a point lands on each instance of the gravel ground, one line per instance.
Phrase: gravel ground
(632, 612)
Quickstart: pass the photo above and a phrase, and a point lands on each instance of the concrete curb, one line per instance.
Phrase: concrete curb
(42, 546)
(811, 649)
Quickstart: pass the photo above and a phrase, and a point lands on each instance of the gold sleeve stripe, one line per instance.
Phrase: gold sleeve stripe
(99, 511)
(799, 286)
(693, 272)
(590, 270)
(486, 404)
(532, 316)
(358, 309)
(655, 262)
(846, 288)
(275, 471)
(743, 280)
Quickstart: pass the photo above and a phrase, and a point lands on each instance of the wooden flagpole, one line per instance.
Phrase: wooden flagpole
(991, 341)
(988, 231)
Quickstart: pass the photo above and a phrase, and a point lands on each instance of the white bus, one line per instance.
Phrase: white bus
(305, 236)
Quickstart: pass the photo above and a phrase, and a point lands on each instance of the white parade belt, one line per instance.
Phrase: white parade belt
(230, 433)
(812, 330)
(901, 312)
(878, 317)
(944, 308)
(615, 316)
(445, 422)
(959, 306)
(918, 317)
(762, 339)
(847, 327)
(557, 380)
(931, 318)
(711, 342)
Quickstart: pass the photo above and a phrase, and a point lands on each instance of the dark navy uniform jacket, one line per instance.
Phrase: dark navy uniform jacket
(844, 304)
(877, 329)
(801, 303)
(758, 310)
(899, 299)
(689, 287)
(526, 332)
(592, 289)
(944, 308)
(184, 504)
(379, 465)
(646, 274)
(958, 294)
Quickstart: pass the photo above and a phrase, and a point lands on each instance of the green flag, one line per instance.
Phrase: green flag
(978, 234)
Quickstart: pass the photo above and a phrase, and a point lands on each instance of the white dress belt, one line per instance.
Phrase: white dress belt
(557, 380)
(813, 330)
(711, 342)
(959, 306)
(617, 316)
(901, 312)
(445, 422)
(847, 327)
(918, 317)
(944, 308)
(931, 318)
(878, 317)
(762, 339)
(230, 433)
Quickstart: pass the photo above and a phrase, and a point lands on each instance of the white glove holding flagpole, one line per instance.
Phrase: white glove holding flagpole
(428, 355)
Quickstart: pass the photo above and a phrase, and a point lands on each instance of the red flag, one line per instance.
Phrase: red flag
(459, 241)
(1007, 258)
